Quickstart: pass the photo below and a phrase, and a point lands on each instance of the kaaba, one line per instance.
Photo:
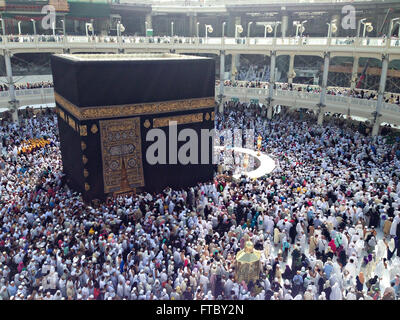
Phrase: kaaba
(107, 104)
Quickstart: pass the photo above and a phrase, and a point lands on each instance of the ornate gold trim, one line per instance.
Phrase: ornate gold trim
(87, 186)
(94, 129)
(207, 116)
(85, 173)
(115, 111)
(71, 123)
(84, 159)
(83, 145)
(61, 113)
(212, 115)
(83, 130)
(71, 108)
(183, 119)
(147, 124)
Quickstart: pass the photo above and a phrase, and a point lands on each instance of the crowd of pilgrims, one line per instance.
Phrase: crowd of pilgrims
(326, 221)
(28, 85)
(393, 98)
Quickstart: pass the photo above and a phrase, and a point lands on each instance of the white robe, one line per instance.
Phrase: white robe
(359, 247)
(394, 268)
(381, 250)
(303, 243)
(336, 293)
(351, 267)
(379, 269)
(393, 227)
(345, 242)
(391, 244)
(351, 296)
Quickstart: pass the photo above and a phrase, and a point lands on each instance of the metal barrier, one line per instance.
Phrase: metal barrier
(390, 113)
(372, 47)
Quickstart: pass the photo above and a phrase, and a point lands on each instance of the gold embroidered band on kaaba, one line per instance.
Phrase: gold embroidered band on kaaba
(183, 119)
(116, 111)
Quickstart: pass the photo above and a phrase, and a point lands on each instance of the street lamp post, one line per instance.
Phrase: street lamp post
(209, 29)
(63, 25)
(145, 28)
(392, 25)
(302, 27)
(223, 29)
(248, 28)
(34, 27)
(89, 27)
(238, 29)
(172, 28)
(359, 26)
(197, 30)
(367, 28)
(19, 27)
(2, 27)
(276, 27)
(398, 33)
(297, 24)
(120, 29)
(268, 28)
(330, 25)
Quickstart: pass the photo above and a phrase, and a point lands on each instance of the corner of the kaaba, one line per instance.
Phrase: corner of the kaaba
(70, 149)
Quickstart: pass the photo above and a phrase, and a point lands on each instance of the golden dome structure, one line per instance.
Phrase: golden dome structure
(248, 263)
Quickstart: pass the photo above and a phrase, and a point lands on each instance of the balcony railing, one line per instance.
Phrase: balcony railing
(210, 3)
(357, 106)
(218, 42)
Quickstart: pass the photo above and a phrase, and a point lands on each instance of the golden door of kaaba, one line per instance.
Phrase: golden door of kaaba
(121, 154)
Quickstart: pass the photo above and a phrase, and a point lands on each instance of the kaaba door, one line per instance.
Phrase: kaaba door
(121, 148)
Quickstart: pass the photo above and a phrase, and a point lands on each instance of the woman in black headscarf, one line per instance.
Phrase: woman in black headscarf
(218, 286)
(288, 273)
(371, 282)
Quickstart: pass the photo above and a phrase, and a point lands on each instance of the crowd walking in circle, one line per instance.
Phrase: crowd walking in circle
(326, 221)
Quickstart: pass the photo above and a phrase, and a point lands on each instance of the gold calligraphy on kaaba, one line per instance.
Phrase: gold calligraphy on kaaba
(117, 111)
(83, 130)
(183, 119)
(121, 154)
(61, 113)
(71, 122)
(94, 129)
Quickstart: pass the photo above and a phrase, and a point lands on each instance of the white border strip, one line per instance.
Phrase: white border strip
(267, 164)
